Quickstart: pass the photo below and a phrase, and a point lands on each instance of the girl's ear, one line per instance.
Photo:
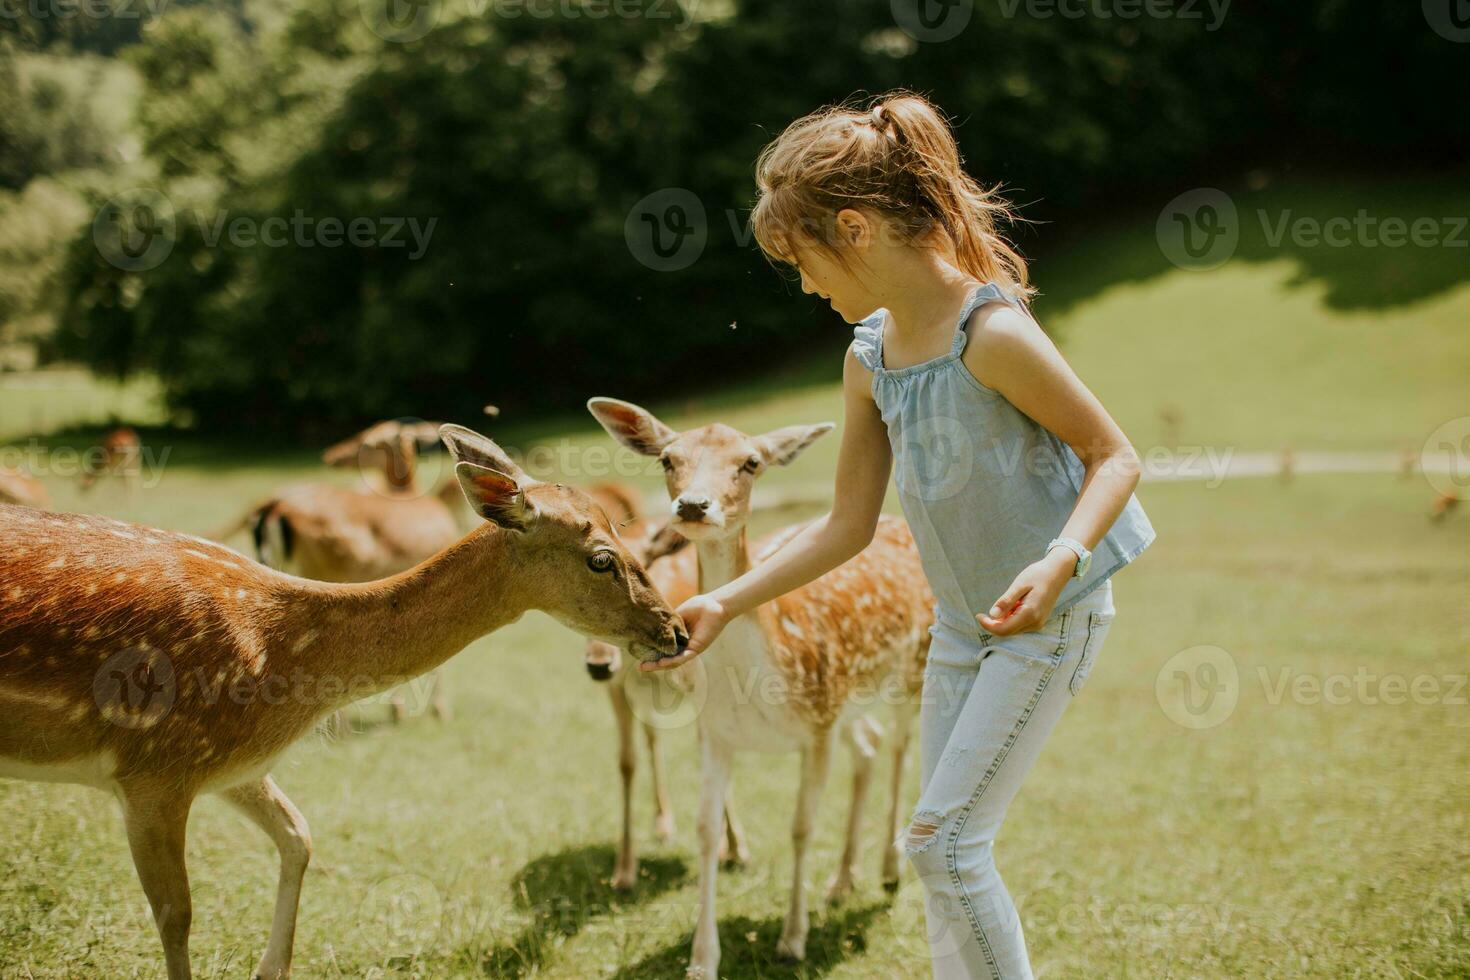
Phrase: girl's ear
(783, 445)
(854, 229)
(633, 426)
(494, 496)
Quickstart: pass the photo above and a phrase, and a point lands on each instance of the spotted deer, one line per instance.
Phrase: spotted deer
(337, 534)
(119, 454)
(674, 571)
(160, 667)
(21, 488)
(795, 673)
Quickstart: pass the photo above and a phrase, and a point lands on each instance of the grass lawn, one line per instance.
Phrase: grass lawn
(1319, 828)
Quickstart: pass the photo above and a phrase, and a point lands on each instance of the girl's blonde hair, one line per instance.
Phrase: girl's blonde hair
(896, 158)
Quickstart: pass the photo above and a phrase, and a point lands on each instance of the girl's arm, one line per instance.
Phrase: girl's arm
(863, 465)
(1009, 352)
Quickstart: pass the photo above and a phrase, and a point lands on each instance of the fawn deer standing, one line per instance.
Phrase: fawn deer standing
(335, 534)
(159, 666)
(21, 488)
(674, 571)
(790, 675)
(119, 454)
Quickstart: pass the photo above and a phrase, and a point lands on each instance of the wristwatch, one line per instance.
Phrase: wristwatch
(1084, 557)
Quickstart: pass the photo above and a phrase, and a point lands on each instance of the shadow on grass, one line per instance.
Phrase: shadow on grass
(564, 892)
(1357, 266)
(748, 947)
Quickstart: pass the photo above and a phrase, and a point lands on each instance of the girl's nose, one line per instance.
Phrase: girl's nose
(806, 285)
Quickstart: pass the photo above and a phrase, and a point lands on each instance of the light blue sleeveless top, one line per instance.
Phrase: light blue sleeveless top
(984, 487)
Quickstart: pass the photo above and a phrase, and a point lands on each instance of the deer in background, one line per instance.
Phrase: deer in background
(119, 454)
(160, 667)
(334, 534)
(21, 488)
(855, 633)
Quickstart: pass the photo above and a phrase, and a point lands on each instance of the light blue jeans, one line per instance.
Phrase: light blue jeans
(989, 704)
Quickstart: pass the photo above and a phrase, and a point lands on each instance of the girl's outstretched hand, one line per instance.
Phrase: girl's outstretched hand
(704, 617)
(1028, 603)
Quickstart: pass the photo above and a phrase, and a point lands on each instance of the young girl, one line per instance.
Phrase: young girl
(1016, 482)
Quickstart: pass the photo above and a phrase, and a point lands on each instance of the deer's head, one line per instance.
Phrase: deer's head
(709, 470)
(583, 574)
(391, 447)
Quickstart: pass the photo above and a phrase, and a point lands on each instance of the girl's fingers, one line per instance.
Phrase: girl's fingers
(1007, 605)
(1018, 620)
(669, 663)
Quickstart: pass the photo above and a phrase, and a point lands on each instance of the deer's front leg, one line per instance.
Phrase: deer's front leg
(862, 738)
(734, 852)
(663, 812)
(625, 871)
(892, 852)
(269, 809)
(715, 773)
(814, 761)
(155, 822)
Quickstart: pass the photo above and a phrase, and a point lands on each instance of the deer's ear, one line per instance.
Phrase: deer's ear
(662, 543)
(781, 446)
(631, 425)
(494, 496)
(468, 446)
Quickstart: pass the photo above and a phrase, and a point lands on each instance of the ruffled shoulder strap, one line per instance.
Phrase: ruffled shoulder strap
(867, 341)
(987, 293)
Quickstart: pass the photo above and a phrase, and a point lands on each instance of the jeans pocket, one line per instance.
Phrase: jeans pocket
(1097, 631)
(1046, 645)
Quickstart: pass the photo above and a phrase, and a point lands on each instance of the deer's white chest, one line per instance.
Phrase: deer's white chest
(749, 705)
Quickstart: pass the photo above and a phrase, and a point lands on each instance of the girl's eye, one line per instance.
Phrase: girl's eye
(601, 561)
(751, 465)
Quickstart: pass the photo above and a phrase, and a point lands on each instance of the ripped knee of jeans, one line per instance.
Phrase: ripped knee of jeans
(922, 833)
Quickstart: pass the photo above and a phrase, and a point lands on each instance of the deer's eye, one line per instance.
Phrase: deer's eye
(601, 561)
(751, 465)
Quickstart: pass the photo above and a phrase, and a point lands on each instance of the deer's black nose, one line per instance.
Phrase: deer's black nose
(693, 508)
(681, 638)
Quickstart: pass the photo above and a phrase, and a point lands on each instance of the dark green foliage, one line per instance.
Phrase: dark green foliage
(527, 140)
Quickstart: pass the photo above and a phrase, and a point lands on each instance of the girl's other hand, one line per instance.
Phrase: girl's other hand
(704, 617)
(1028, 603)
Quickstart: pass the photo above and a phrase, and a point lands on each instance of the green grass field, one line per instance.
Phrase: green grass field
(1321, 828)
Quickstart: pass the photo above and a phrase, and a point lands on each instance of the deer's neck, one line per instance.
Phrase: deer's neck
(381, 634)
(722, 560)
(398, 475)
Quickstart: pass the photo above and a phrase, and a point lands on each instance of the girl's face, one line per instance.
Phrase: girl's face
(824, 275)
